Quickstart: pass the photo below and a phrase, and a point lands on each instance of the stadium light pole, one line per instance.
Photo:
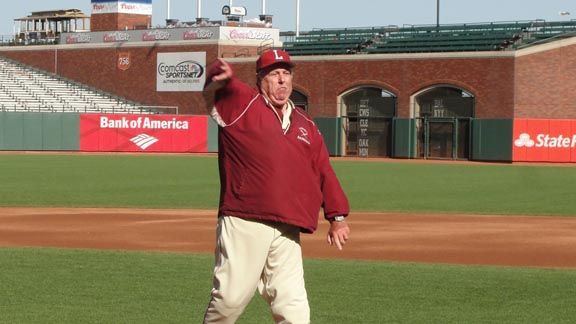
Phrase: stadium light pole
(297, 18)
(167, 9)
(437, 13)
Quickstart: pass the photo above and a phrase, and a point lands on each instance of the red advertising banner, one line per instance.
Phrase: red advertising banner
(143, 133)
(544, 140)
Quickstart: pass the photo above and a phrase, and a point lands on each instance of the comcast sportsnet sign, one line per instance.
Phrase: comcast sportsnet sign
(544, 140)
(143, 133)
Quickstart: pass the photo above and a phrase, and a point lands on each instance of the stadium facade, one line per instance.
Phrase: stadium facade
(486, 92)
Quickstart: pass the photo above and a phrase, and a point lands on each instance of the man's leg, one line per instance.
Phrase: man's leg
(282, 284)
(241, 251)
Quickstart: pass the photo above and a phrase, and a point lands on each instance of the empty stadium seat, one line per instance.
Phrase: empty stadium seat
(23, 88)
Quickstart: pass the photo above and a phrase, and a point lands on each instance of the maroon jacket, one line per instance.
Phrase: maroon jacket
(267, 173)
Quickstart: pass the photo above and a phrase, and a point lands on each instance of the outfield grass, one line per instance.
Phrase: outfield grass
(460, 188)
(145, 181)
(68, 286)
(59, 286)
(179, 181)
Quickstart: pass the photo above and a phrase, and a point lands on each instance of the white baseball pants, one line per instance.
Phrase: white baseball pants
(259, 255)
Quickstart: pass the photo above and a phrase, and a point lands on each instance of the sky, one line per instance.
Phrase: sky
(326, 14)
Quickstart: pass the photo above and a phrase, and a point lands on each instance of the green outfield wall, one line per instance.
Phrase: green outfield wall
(212, 135)
(491, 139)
(331, 129)
(404, 138)
(38, 131)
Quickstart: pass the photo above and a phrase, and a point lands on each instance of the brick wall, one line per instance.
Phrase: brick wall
(539, 85)
(118, 21)
(546, 84)
(489, 79)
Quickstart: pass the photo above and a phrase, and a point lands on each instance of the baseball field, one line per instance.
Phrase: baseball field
(127, 238)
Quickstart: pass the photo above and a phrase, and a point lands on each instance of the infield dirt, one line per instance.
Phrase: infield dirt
(431, 238)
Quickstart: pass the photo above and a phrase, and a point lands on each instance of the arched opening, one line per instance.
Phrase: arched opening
(367, 114)
(443, 122)
(299, 99)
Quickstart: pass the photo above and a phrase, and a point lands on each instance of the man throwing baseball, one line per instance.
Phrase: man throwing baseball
(275, 176)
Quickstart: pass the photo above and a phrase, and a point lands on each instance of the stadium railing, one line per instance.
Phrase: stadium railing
(426, 38)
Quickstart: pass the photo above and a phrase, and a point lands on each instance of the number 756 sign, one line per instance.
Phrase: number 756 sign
(123, 61)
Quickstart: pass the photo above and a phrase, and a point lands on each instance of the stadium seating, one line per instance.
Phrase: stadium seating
(25, 89)
(545, 32)
(493, 36)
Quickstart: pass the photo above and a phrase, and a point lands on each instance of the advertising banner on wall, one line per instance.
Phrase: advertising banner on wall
(258, 34)
(183, 71)
(136, 7)
(189, 33)
(544, 140)
(143, 133)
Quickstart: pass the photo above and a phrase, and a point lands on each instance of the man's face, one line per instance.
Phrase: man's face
(276, 85)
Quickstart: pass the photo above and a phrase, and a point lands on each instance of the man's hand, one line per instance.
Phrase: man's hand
(338, 234)
(219, 73)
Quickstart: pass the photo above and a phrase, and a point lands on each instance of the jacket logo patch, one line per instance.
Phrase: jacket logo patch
(303, 135)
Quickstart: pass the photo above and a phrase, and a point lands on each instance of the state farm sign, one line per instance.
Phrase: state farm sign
(544, 140)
